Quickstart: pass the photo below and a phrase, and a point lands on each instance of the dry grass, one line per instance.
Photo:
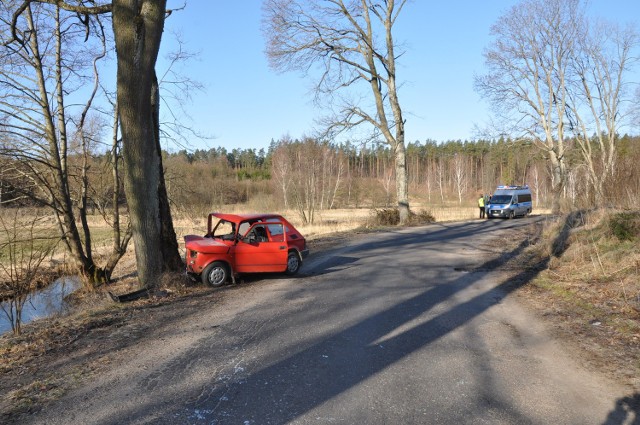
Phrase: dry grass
(326, 222)
(591, 288)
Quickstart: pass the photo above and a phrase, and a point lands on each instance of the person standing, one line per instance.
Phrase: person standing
(481, 205)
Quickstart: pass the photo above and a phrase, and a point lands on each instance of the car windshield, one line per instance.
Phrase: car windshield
(500, 199)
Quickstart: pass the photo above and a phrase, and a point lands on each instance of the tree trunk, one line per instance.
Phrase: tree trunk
(171, 260)
(138, 26)
(558, 180)
(402, 179)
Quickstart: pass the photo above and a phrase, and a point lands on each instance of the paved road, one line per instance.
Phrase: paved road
(401, 327)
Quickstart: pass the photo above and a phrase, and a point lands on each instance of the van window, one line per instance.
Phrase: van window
(526, 197)
(501, 199)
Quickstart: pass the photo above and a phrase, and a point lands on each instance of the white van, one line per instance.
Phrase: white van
(510, 202)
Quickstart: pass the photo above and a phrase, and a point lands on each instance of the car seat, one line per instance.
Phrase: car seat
(261, 234)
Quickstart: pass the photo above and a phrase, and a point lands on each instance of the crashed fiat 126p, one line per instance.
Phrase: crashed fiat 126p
(244, 243)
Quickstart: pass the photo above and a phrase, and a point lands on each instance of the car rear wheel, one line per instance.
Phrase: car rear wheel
(293, 263)
(215, 274)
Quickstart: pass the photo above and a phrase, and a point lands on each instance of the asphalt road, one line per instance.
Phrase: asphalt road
(403, 327)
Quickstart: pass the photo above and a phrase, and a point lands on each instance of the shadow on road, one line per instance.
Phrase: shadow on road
(627, 411)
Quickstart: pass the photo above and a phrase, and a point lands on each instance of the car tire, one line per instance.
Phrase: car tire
(511, 214)
(293, 263)
(215, 274)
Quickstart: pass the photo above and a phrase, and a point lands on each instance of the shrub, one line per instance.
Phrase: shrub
(391, 217)
(386, 217)
(625, 226)
(423, 217)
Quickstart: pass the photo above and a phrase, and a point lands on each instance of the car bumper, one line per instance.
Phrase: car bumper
(498, 213)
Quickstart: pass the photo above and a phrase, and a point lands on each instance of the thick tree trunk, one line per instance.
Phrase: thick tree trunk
(138, 26)
(171, 260)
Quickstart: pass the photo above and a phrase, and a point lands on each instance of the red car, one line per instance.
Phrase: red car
(244, 243)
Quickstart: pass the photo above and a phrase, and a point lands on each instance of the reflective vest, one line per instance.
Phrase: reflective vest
(481, 202)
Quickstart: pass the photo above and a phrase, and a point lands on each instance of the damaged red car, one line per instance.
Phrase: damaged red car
(244, 243)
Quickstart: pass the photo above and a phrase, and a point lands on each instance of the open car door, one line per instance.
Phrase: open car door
(263, 248)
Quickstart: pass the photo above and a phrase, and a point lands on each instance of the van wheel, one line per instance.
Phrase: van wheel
(215, 274)
(293, 263)
(511, 214)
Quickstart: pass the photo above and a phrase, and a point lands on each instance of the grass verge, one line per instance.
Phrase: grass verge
(590, 289)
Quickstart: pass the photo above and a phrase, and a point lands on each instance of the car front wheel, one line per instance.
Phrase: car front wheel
(215, 274)
(293, 263)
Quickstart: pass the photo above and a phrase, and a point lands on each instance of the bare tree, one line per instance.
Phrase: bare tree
(353, 45)
(557, 75)
(48, 57)
(308, 173)
(137, 28)
(440, 176)
(527, 81)
(24, 245)
(281, 168)
(598, 97)
(304, 175)
(459, 165)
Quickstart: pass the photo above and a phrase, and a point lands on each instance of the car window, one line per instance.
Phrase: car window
(224, 228)
(275, 229)
(242, 230)
(274, 219)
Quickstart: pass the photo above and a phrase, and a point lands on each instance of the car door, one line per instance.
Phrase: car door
(263, 248)
(520, 207)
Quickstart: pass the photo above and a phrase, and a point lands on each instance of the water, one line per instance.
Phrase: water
(43, 303)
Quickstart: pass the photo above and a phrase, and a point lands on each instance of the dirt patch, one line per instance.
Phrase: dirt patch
(53, 356)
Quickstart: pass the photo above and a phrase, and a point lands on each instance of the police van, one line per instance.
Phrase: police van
(510, 202)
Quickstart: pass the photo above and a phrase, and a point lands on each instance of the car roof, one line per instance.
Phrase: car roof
(244, 217)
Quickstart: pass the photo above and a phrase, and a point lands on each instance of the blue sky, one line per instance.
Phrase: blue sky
(246, 105)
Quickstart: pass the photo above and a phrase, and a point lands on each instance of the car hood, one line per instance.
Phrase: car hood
(202, 244)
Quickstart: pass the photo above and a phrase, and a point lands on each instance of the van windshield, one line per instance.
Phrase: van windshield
(500, 199)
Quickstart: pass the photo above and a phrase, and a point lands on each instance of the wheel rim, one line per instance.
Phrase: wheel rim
(216, 276)
(292, 263)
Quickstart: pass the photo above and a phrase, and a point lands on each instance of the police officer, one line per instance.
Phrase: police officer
(481, 205)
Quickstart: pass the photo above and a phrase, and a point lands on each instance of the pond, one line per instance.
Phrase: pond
(47, 302)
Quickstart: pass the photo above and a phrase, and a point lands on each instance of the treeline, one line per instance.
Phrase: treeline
(309, 175)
